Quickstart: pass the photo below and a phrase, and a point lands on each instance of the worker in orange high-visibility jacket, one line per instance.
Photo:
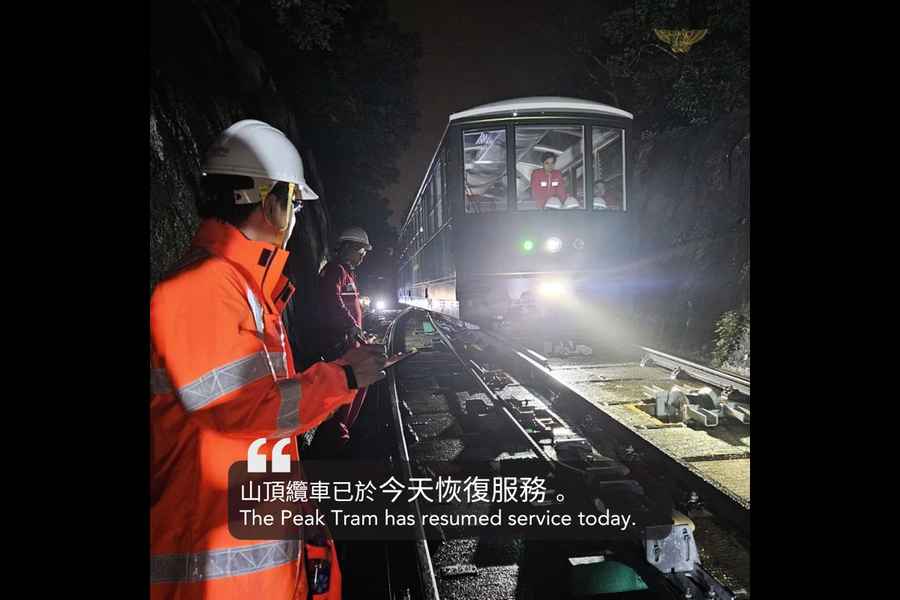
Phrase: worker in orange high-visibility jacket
(222, 376)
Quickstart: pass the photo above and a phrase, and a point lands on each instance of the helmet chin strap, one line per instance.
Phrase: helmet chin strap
(285, 229)
(286, 235)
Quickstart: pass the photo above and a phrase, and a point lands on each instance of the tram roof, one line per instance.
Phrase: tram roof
(540, 104)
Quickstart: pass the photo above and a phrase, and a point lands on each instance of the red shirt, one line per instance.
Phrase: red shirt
(544, 186)
(339, 294)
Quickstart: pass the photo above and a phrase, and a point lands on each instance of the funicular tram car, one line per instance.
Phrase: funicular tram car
(523, 202)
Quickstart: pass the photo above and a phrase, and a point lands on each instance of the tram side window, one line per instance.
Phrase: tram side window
(608, 156)
(408, 239)
(438, 197)
(433, 210)
(428, 208)
(415, 233)
(485, 170)
(445, 198)
(549, 167)
(420, 227)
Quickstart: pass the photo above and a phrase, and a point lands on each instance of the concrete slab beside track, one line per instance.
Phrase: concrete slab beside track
(619, 391)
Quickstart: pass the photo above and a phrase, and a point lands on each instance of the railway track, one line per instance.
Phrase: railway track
(722, 379)
(471, 403)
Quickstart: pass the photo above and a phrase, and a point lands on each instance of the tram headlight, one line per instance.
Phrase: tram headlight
(553, 245)
(552, 289)
(380, 304)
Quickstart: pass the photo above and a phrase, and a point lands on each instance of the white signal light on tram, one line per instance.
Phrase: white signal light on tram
(553, 245)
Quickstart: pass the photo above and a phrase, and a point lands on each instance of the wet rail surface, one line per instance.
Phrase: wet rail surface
(446, 416)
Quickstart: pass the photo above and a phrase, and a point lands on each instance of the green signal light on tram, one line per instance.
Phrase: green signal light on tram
(528, 245)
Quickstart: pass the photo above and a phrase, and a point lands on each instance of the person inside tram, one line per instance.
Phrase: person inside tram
(548, 187)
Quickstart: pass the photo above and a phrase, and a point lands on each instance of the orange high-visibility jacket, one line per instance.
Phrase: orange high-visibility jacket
(222, 376)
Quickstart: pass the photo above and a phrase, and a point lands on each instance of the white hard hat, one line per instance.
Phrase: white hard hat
(255, 149)
(355, 234)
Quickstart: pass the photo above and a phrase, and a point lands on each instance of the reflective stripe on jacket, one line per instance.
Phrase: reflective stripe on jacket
(221, 376)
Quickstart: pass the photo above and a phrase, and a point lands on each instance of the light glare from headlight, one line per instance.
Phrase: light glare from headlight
(553, 245)
(380, 304)
(551, 289)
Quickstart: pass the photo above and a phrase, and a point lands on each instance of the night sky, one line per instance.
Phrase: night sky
(474, 52)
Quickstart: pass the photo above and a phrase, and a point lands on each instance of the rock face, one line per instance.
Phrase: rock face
(204, 78)
(178, 128)
(691, 195)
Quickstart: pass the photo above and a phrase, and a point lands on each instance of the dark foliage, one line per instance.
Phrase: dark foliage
(627, 65)
(690, 160)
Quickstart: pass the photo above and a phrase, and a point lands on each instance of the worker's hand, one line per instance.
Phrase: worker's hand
(367, 363)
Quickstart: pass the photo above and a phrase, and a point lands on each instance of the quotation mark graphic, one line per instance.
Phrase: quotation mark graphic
(256, 462)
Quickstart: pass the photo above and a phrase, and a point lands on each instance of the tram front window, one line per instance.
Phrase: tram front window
(485, 170)
(549, 167)
(607, 153)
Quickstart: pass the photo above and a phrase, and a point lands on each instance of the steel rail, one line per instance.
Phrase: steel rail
(497, 401)
(426, 567)
(708, 375)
